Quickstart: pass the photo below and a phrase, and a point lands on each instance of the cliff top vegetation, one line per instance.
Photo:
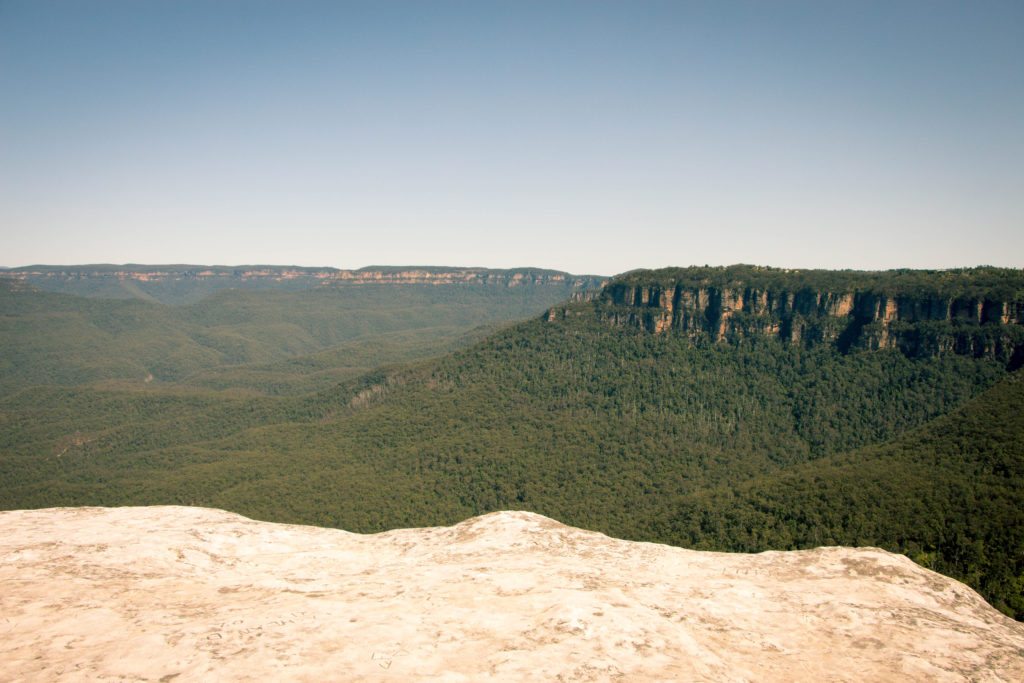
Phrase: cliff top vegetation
(1004, 284)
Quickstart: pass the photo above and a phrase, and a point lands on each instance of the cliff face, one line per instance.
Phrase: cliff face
(315, 276)
(182, 284)
(919, 324)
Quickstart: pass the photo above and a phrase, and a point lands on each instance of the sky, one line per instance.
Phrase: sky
(593, 137)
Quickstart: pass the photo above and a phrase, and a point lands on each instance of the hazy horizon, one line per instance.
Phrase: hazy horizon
(589, 137)
(473, 267)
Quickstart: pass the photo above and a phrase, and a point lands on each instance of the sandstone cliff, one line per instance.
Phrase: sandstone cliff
(979, 316)
(418, 275)
(188, 594)
(184, 284)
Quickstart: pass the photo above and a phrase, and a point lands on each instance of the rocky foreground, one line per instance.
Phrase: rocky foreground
(176, 593)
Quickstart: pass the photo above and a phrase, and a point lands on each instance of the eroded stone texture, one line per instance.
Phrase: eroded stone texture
(175, 593)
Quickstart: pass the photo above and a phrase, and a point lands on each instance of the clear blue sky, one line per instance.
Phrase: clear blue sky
(586, 136)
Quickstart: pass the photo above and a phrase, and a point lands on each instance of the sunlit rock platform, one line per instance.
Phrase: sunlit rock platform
(177, 593)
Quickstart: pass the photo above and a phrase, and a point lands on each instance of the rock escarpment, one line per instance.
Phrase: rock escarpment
(977, 312)
(42, 276)
(183, 594)
(183, 284)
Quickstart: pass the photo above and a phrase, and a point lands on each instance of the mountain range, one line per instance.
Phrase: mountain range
(740, 408)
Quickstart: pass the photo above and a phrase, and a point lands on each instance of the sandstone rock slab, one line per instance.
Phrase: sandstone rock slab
(177, 593)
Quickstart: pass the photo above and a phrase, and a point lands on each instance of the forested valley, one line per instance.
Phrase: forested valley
(421, 418)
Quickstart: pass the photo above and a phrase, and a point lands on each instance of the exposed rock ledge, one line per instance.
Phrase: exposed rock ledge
(174, 593)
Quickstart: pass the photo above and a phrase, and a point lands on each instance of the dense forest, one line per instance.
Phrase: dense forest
(947, 494)
(741, 445)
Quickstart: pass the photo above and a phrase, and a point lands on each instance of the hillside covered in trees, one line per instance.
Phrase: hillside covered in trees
(264, 334)
(743, 442)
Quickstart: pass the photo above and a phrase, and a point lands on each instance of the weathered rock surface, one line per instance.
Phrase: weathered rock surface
(174, 593)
